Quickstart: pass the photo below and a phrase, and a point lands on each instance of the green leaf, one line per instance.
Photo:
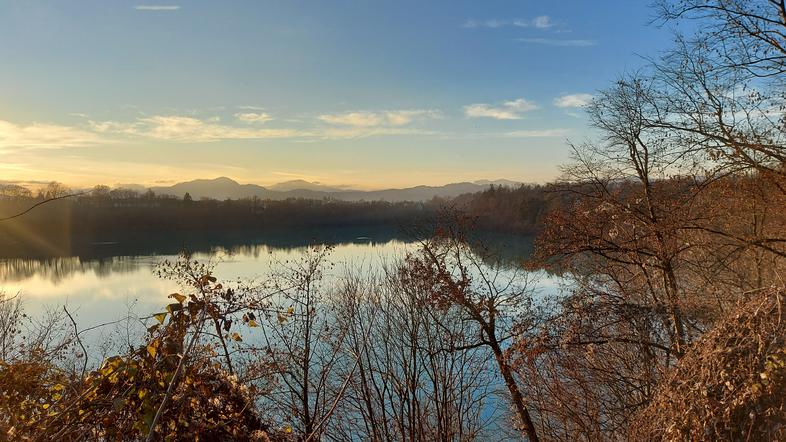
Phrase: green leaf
(160, 317)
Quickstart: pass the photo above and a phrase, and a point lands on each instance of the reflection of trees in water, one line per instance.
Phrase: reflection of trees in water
(125, 252)
(131, 254)
(502, 249)
(256, 250)
(57, 269)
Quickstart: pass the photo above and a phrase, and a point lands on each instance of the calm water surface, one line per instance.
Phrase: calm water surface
(112, 280)
(104, 281)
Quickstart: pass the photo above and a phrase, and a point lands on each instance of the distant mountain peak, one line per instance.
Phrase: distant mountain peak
(223, 179)
(227, 188)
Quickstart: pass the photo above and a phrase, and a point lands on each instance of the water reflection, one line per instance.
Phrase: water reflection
(107, 245)
(104, 280)
(59, 269)
(112, 279)
(131, 252)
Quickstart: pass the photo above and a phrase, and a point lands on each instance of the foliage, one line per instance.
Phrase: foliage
(731, 384)
(522, 209)
(455, 277)
(677, 216)
(119, 400)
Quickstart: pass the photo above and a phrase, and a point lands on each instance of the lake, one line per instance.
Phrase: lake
(113, 281)
(106, 280)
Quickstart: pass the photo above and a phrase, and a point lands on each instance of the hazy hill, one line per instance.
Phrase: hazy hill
(226, 188)
(218, 188)
(417, 193)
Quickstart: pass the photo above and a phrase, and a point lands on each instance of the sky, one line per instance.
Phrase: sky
(359, 93)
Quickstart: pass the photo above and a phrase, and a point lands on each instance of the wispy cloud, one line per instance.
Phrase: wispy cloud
(253, 117)
(539, 22)
(185, 128)
(353, 132)
(558, 42)
(542, 22)
(250, 107)
(381, 118)
(156, 7)
(401, 117)
(40, 135)
(509, 110)
(357, 119)
(179, 128)
(189, 129)
(362, 124)
(573, 100)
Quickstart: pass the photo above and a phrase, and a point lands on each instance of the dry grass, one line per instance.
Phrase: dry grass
(732, 383)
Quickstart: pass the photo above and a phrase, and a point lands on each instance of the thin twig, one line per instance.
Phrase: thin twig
(78, 340)
(40, 203)
(343, 388)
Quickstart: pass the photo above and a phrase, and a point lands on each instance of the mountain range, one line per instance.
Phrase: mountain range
(226, 188)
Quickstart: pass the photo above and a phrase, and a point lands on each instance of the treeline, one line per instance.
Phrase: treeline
(57, 226)
(520, 209)
(69, 225)
(500, 208)
(129, 211)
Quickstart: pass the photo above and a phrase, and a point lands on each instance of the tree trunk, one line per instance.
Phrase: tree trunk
(515, 394)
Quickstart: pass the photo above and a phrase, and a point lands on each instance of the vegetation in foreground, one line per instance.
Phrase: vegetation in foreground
(669, 327)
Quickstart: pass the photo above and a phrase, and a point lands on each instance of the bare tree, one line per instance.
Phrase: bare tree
(493, 300)
(303, 342)
(723, 87)
(412, 382)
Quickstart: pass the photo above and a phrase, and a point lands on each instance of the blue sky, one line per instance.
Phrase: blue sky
(363, 93)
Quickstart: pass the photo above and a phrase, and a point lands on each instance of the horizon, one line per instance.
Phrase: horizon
(37, 185)
(394, 96)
